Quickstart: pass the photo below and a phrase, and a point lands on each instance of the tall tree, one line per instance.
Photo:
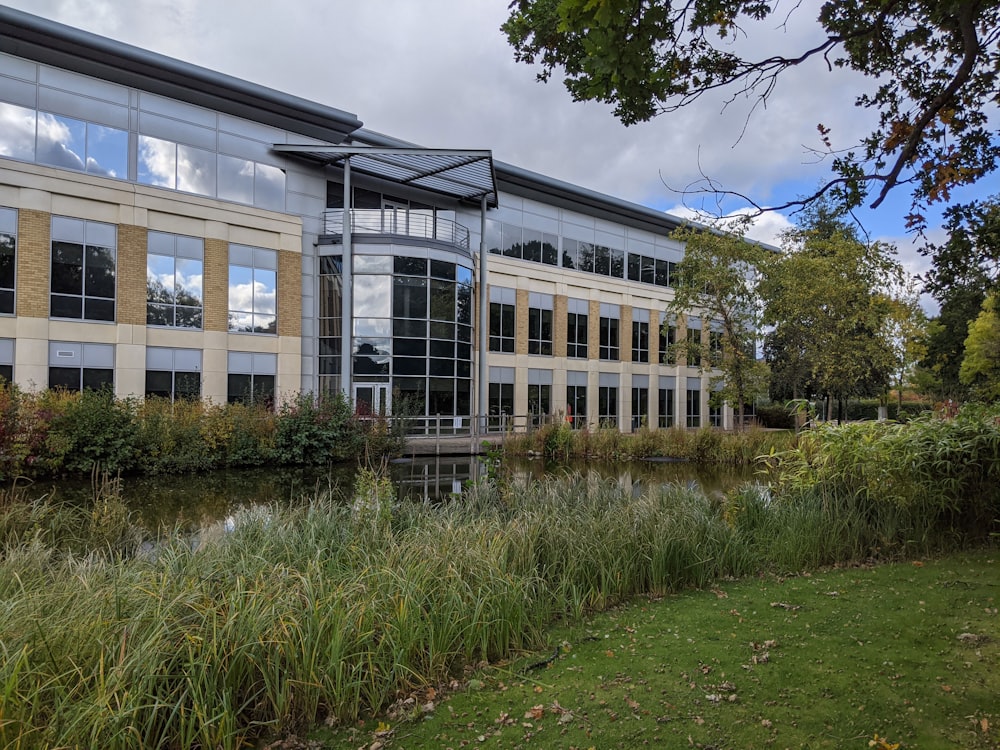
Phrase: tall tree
(964, 270)
(981, 366)
(831, 295)
(930, 71)
(718, 278)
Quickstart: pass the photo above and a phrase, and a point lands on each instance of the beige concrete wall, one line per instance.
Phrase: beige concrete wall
(39, 192)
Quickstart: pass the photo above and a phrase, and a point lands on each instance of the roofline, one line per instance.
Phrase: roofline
(52, 43)
(528, 184)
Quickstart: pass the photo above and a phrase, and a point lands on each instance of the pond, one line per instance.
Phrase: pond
(193, 501)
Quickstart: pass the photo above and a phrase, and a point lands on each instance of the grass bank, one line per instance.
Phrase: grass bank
(859, 657)
(333, 610)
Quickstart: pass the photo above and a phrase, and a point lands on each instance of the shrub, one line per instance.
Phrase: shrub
(315, 429)
(95, 430)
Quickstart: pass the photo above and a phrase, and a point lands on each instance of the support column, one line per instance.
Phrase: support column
(347, 287)
(484, 318)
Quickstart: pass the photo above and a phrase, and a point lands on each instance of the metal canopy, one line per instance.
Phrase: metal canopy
(463, 174)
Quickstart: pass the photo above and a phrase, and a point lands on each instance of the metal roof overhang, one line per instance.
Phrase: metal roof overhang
(464, 174)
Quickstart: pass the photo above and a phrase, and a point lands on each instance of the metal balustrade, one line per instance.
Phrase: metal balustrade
(400, 222)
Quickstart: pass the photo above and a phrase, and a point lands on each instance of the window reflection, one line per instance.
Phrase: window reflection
(195, 170)
(269, 187)
(372, 296)
(17, 132)
(157, 162)
(235, 179)
(81, 146)
(252, 299)
(62, 142)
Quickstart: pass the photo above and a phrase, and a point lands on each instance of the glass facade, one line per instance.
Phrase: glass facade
(411, 328)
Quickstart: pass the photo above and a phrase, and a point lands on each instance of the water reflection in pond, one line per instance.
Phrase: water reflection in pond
(198, 500)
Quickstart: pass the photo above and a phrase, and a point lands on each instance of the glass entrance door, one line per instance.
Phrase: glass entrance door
(371, 399)
(395, 217)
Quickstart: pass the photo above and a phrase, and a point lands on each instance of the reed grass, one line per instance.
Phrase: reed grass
(332, 610)
(560, 442)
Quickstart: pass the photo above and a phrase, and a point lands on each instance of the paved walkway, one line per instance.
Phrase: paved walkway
(449, 446)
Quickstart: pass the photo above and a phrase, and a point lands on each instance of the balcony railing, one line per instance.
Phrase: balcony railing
(417, 223)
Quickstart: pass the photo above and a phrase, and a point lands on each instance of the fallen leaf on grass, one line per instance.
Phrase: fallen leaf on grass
(535, 712)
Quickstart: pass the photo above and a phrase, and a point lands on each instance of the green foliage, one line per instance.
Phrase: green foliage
(981, 365)
(315, 429)
(833, 303)
(704, 446)
(932, 67)
(96, 430)
(719, 277)
(59, 432)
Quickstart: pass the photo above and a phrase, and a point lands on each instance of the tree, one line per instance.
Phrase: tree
(981, 366)
(932, 65)
(964, 270)
(718, 278)
(830, 294)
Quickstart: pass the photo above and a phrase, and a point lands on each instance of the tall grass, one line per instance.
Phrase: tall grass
(334, 609)
(558, 441)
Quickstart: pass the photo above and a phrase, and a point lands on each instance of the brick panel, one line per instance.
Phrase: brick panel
(626, 333)
(559, 316)
(521, 322)
(216, 284)
(594, 332)
(33, 254)
(289, 293)
(132, 241)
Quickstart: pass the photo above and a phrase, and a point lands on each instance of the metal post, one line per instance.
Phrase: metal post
(347, 287)
(484, 310)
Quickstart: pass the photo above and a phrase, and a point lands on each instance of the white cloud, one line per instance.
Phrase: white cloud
(766, 227)
(441, 74)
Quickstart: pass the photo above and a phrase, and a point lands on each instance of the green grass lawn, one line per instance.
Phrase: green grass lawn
(910, 652)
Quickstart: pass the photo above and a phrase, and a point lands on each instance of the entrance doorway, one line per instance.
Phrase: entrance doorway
(371, 399)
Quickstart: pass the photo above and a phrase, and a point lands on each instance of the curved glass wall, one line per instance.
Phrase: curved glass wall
(411, 329)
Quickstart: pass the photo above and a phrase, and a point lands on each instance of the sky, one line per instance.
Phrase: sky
(440, 73)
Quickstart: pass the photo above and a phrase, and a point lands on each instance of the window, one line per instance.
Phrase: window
(577, 330)
(668, 337)
(640, 401)
(173, 373)
(539, 323)
(251, 378)
(176, 166)
(576, 399)
(693, 402)
(502, 320)
(253, 284)
(640, 335)
(693, 346)
(539, 394)
(83, 269)
(6, 361)
(609, 346)
(715, 348)
(8, 259)
(607, 399)
(501, 397)
(715, 411)
(175, 267)
(75, 366)
(82, 146)
(666, 401)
